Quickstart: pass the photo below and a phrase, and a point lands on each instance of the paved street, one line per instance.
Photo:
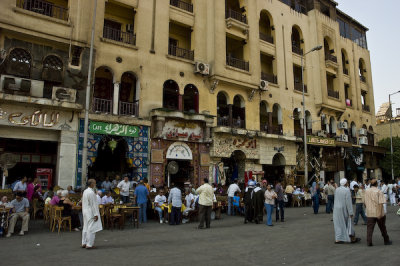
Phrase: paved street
(304, 239)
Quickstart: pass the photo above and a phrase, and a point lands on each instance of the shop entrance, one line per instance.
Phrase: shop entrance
(30, 156)
(276, 171)
(234, 166)
(111, 159)
(184, 173)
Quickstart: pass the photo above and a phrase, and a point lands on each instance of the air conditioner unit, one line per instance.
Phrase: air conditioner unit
(21, 86)
(362, 132)
(322, 133)
(64, 94)
(363, 140)
(264, 85)
(129, 28)
(202, 68)
(342, 125)
(343, 138)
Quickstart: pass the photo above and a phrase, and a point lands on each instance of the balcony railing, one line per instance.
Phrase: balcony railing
(297, 50)
(182, 5)
(181, 52)
(331, 58)
(365, 107)
(102, 105)
(299, 132)
(345, 71)
(269, 77)
(127, 108)
(44, 8)
(237, 63)
(229, 13)
(223, 121)
(363, 79)
(266, 37)
(275, 129)
(238, 123)
(119, 36)
(298, 86)
(334, 94)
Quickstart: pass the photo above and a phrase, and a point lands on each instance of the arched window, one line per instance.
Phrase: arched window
(329, 50)
(297, 125)
(103, 90)
(353, 131)
(309, 122)
(345, 62)
(265, 27)
(171, 95)
(332, 127)
(52, 69)
(264, 116)
(191, 99)
(128, 104)
(370, 136)
(238, 112)
(297, 40)
(19, 63)
(277, 120)
(222, 109)
(362, 70)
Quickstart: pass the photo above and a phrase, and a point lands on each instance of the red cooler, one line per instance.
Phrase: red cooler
(45, 176)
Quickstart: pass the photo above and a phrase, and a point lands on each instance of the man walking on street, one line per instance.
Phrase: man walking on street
(330, 192)
(359, 205)
(206, 199)
(353, 195)
(142, 195)
(374, 200)
(175, 199)
(279, 201)
(233, 188)
(91, 216)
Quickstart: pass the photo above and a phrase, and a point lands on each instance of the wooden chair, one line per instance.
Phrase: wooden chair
(36, 208)
(102, 213)
(60, 220)
(296, 199)
(113, 217)
(46, 213)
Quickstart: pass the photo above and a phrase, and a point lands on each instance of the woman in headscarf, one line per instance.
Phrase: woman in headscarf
(315, 191)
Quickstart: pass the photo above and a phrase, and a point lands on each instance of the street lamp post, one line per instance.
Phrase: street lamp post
(316, 48)
(391, 137)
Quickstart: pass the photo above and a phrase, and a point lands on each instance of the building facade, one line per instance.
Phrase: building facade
(220, 81)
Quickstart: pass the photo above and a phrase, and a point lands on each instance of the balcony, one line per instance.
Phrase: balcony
(225, 121)
(299, 132)
(365, 108)
(266, 37)
(269, 77)
(102, 106)
(237, 63)
(363, 79)
(298, 86)
(229, 13)
(331, 58)
(345, 71)
(181, 52)
(45, 8)
(297, 50)
(349, 102)
(334, 94)
(119, 36)
(275, 129)
(127, 108)
(182, 5)
(238, 123)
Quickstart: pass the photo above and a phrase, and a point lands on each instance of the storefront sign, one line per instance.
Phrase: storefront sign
(183, 131)
(113, 129)
(313, 140)
(36, 118)
(179, 151)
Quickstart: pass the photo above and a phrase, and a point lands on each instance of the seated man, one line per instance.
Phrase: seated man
(189, 203)
(70, 190)
(98, 196)
(107, 199)
(4, 202)
(20, 210)
(159, 200)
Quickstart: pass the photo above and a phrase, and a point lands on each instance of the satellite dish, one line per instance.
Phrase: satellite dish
(7, 161)
(173, 167)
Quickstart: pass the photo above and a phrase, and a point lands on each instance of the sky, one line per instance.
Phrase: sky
(382, 18)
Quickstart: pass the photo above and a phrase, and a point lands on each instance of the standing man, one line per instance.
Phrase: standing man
(175, 198)
(20, 186)
(359, 205)
(20, 209)
(233, 188)
(279, 201)
(116, 181)
(330, 192)
(142, 195)
(289, 193)
(248, 202)
(91, 215)
(384, 189)
(258, 204)
(106, 185)
(342, 214)
(353, 195)
(374, 202)
(124, 189)
(206, 199)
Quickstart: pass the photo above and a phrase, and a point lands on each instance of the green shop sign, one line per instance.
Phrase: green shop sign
(113, 129)
(313, 140)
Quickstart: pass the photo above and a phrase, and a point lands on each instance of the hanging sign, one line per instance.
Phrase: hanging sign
(113, 129)
(313, 140)
(180, 151)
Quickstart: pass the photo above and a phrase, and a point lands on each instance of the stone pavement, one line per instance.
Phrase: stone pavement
(304, 239)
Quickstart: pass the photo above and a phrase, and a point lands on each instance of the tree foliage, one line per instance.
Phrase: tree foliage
(385, 163)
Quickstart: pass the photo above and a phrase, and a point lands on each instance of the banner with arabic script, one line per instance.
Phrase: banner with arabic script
(113, 129)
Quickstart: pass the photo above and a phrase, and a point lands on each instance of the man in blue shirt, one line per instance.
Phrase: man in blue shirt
(142, 195)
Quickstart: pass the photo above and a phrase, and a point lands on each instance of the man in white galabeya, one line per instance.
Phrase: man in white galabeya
(91, 216)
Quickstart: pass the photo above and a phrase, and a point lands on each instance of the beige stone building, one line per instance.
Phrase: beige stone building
(208, 87)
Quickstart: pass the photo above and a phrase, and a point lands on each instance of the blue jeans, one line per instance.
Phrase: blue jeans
(142, 212)
(125, 199)
(160, 212)
(315, 200)
(269, 208)
(360, 211)
(231, 208)
(329, 204)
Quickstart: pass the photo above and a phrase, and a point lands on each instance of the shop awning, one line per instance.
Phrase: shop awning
(375, 149)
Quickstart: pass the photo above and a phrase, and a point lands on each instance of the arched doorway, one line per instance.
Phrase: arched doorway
(222, 109)
(171, 95)
(191, 99)
(103, 92)
(238, 112)
(179, 167)
(276, 170)
(128, 104)
(235, 166)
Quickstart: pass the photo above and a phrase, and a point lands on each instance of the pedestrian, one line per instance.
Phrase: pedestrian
(124, 186)
(248, 203)
(258, 204)
(206, 200)
(342, 214)
(91, 216)
(315, 192)
(374, 202)
(392, 192)
(142, 195)
(353, 196)
(289, 193)
(330, 192)
(384, 189)
(269, 203)
(359, 192)
(175, 199)
(233, 188)
(279, 202)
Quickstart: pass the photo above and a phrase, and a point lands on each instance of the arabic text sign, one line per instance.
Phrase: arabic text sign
(320, 141)
(113, 129)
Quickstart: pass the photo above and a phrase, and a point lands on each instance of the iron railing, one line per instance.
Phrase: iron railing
(238, 123)
(299, 132)
(236, 15)
(298, 86)
(363, 79)
(127, 108)
(181, 52)
(119, 36)
(345, 71)
(329, 57)
(275, 129)
(223, 121)
(102, 105)
(365, 107)
(297, 50)
(266, 37)
(182, 5)
(44, 8)
(269, 77)
(334, 94)
(237, 63)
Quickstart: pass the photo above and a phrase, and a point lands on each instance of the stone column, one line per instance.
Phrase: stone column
(115, 98)
(66, 159)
